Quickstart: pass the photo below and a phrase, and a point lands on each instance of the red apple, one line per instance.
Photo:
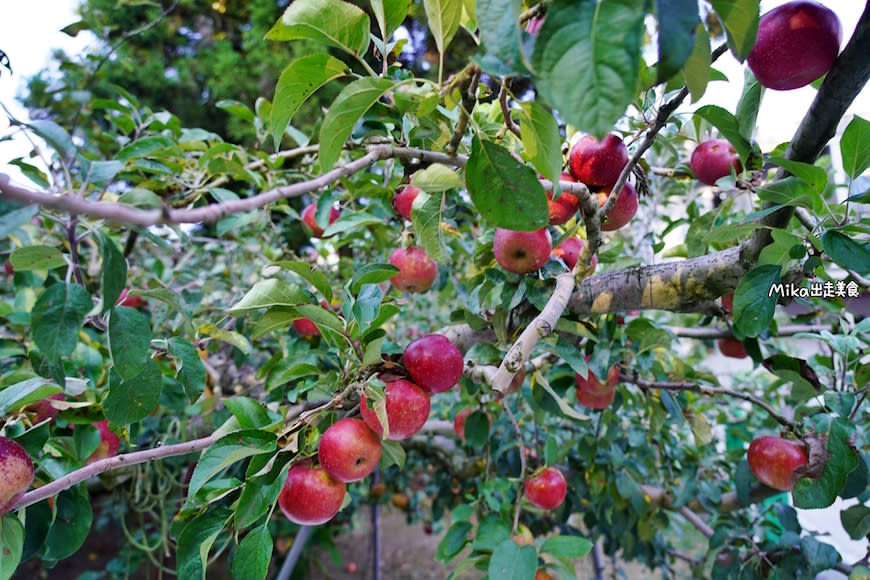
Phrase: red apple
(407, 410)
(522, 252)
(309, 218)
(547, 489)
(773, 461)
(713, 159)
(130, 301)
(403, 201)
(592, 393)
(44, 409)
(796, 44)
(109, 442)
(598, 163)
(564, 208)
(433, 362)
(569, 251)
(310, 496)
(349, 450)
(417, 271)
(16, 473)
(728, 302)
(622, 211)
(306, 328)
(731, 347)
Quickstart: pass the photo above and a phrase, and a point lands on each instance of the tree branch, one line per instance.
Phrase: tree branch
(696, 521)
(505, 110)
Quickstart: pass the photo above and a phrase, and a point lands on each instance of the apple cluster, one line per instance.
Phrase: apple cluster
(350, 449)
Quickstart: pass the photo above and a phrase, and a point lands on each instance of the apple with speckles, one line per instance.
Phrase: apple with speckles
(774, 460)
(16, 473)
(547, 488)
(522, 252)
(417, 271)
(407, 408)
(434, 362)
(349, 450)
(310, 496)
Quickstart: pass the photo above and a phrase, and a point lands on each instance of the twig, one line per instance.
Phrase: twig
(505, 110)
(468, 90)
(74, 249)
(696, 521)
(519, 434)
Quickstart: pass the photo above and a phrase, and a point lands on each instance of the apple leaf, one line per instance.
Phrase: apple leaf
(740, 19)
(36, 258)
(509, 561)
(253, 555)
(754, 302)
(453, 542)
(353, 101)
(476, 430)
(132, 400)
(302, 78)
(696, 71)
(129, 341)
(310, 274)
(500, 35)
(114, 276)
(390, 14)
(820, 555)
(791, 191)
(11, 544)
(58, 316)
(855, 147)
(271, 292)
(25, 392)
(729, 126)
(320, 316)
(392, 453)
(249, 413)
(563, 406)
(541, 140)
(678, 20)
(847, 252)
(228, 450)
(586, 60)
(195, 541)
(437, 178)
(333, 22)
(822, 492)
(506, 193)
(782, 250)
(371, 274)
(258, 496)
(747, 107)
(443, 17)
(567, 549)
(813, 175)
(71, 525)
(426, 217)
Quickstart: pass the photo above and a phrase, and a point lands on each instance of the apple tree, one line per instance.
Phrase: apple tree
(514, 271)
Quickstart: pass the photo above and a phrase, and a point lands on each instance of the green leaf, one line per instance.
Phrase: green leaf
(506, 193)
(819, 555)
(747, 108)
(333, 22)
(271, 292)
(253, 555)
(71, 524)
(392, 453)
(56, 137)
(58, 316)
(780, 251)
(353, 101)
(790, 191)
(228, 450)
(38, 517)
(257, 498)
(855, 147)
(566, 548)
(477, 430)
(491, 532)
(499, 24)
(426, 217)
(390, 14)
(443, 17)
(132, 400)
(237, 109)
(33, 173)
(856, 521)
(12, 220)
(846, 251)
(130, 341)
(754, 304)
(822, 492)
(188, 367)
(114, 275)
(740, 19)
(437, 178)
(36, 258)
(371, 274)
(678, 20)
(729, 126)
(11, 545)
(813, 175)
(322, 317)
(25, 392)
(249, 413)
(729, 232)
(311, 275)
(509, 561)
(352, 222)
(453, 542)
(100, 172)
(564, 407)
(301, 79)
(143, 147)
(195, 542)
(587, 57)
(696, 71)
(541, 140)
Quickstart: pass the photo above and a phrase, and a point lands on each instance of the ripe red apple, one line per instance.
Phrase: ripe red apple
(547, 489)
(403, 200)
(728, 302)
(731, 347)
(349, 450)
(109, 442)
(622, 211)
(598, 163)
(407, 410)
(433, 362)
(592, 393)
(305, 328)
(713, 159)
(130, 301)
(309, 218)
(44, 409)
(564, 208)
(522, 252)
(569, 251)
(16, 473)
(773, 460)
(310, 496)
(796, 44)
(417, 271)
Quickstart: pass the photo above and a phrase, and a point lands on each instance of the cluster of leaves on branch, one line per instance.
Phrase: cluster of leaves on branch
(164, 292)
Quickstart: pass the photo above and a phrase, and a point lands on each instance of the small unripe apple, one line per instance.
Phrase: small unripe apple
(713, 159)
(309, 218)
(773, 460)
(622, 211)
(109, 442)
(796, 44)
(16, 473)
(417, 271)
(306, 328)
(349, 450)
(434, 363)
(400, 500)
(564, 208)
(310, 496)
(731, 347)
(407, 410)
(44, 409)
(522, 252)
(403, 201)
(569, 251)
(547, 489)
(598, 163)
(592, 393)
